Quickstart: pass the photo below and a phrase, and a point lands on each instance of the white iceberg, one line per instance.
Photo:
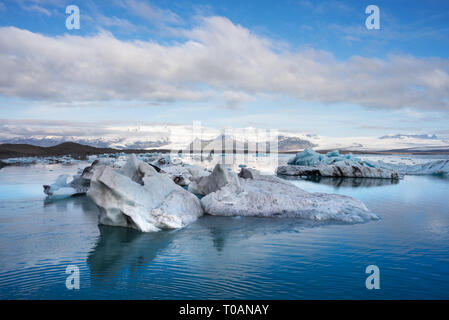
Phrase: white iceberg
(66, 186)
(204, 184)
(269, 196)
(181, 174)
(311, 163)
(139, 197)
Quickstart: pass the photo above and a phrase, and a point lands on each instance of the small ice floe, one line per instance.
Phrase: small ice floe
(253, 194)
(66, 186)
(310, 163)
(139, 197)
(23, 161)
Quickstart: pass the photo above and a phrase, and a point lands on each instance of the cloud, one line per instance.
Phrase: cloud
(152, 14)
(63, 128)
(218, 60)
(115, 22)
(37, 8)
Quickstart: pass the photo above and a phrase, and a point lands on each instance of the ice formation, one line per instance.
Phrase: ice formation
(41, 160)
(311, 163)
(139, 197)
(220, 177)
(182, 174)
(342, 169)
(77, 185)
(269, 196)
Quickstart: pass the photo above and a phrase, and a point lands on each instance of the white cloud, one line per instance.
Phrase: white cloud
(152, 13)
(37, 8)
(218, 60)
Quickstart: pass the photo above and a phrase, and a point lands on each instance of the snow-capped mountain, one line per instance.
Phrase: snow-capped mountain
(413, 136)
(293, 143)
(184, 137)
(116, 143)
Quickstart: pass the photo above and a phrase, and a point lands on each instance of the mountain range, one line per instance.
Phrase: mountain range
(286, 142)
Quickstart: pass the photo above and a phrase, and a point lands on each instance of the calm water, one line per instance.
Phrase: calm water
(225, 258)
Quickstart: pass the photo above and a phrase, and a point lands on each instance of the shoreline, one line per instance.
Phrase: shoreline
(81, 152)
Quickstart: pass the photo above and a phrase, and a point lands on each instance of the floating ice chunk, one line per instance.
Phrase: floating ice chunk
(310, 158)
(311, 163)
(339, 169)
(137, 196)
(269, 196)
(21, 161)
(91, 158)
(197, 172)
(176, 161)
(179, 174)
(61, 187)
(306, 158)
(219, 177)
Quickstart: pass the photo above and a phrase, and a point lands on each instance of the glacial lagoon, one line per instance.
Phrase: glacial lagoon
(226, 257)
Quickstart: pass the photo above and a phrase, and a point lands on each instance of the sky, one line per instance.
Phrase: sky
(292, 65)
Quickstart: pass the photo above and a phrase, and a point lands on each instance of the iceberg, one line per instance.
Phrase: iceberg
(139, 197)
(220, 177)
(269, 196)
(79, 183)
(62, 188)
(342, 169)
(310, 163)
(180, 173)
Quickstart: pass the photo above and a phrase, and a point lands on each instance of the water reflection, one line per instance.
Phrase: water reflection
(340, 182)
(65, 204)
(223, 230)
(118, 248)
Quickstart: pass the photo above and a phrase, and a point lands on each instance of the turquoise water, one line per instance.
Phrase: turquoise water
(225, 258)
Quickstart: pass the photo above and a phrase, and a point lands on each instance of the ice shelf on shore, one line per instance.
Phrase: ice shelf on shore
(310, 163)
(269, 196)
(139, 197)
(436, 167)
